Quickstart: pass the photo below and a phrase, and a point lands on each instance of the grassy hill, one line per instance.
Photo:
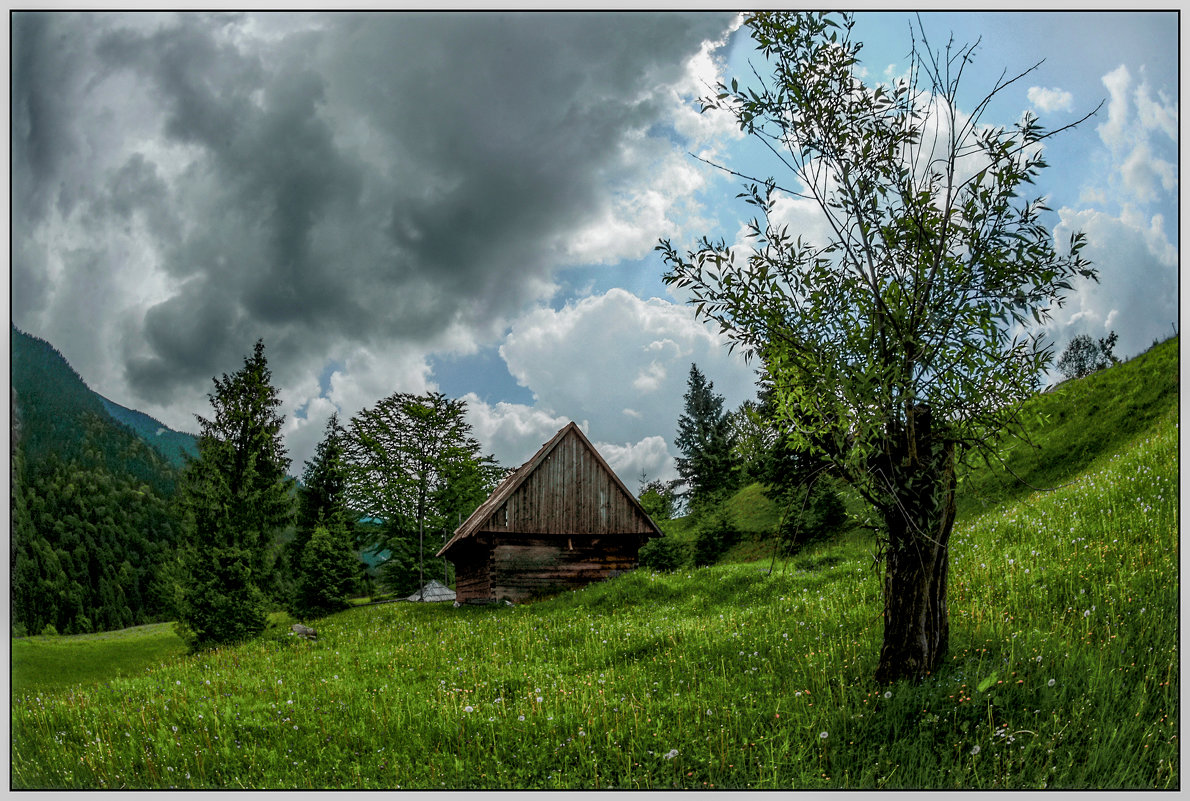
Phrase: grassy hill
(1063, 672)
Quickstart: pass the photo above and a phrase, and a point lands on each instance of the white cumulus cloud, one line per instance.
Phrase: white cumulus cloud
(1050, 100)
(1138, 280)
(618, 365)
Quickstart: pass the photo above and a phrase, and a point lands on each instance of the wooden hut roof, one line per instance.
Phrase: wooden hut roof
(517, 478)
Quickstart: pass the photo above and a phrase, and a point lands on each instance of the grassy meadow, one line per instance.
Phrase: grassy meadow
(1063, 672)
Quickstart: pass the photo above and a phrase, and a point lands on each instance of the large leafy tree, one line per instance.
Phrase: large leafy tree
(237, 499)
(413, 463)
(908, 336)
(706, 466)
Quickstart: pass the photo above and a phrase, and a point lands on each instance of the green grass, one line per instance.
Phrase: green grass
(1063, 673)
(1074, 424)
(45, 663)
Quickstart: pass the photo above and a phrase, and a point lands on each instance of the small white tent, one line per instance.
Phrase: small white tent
(433, 591)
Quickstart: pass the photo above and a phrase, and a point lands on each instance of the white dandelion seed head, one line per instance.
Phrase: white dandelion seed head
(823, 735)
(468, 709)
(974, 750)
(1050, 683)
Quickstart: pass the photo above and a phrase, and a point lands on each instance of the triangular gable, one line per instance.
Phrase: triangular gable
(517, 478)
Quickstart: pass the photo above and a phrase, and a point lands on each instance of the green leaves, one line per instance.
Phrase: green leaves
(412, 462)
(987, 682)
(934, 252)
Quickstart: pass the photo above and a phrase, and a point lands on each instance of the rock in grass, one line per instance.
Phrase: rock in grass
(304, 631)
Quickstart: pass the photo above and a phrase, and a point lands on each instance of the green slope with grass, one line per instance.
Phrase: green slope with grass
(1075, 423)
(50, 663)
(1063, 673)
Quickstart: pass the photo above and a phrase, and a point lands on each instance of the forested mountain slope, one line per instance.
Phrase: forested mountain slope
(91, 522)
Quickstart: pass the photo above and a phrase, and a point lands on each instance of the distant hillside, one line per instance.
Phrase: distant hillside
(92, 525)
(173, 445)
(55, 414)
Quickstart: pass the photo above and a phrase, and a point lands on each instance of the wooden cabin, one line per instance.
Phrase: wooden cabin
(560, 521)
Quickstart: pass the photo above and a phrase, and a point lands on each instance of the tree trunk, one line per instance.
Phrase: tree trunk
(918, 523)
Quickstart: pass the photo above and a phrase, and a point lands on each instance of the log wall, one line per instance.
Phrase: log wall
(520, 567)
(523, 567)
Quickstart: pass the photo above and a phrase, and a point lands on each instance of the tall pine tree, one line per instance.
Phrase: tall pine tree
(322, 553)
(237, 498)
(705, 441)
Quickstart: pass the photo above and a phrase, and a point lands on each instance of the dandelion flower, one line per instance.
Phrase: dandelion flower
(823, 735)
(888, 693)
(974, 750)
(468, 709)
(1050, 683)
(672, 754)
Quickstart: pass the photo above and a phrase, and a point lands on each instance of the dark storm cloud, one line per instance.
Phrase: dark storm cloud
(366, 177)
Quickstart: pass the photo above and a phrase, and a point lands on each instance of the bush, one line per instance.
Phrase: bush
(400, 575)
(814, 516)
(713, 536)
(49, 631)
(662, 554)
(328, 573)
(221, 602)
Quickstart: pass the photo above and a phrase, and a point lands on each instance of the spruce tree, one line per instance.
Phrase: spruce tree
(322, 511)
(327, 569)
(704, 439)
(237, 499)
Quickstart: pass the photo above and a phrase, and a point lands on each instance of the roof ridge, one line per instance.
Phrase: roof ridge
(517, 477)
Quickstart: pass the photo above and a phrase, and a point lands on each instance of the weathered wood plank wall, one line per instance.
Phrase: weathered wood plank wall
(568, 493)
(521, 567)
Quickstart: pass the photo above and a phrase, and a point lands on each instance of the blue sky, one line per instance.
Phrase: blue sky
(469, 202)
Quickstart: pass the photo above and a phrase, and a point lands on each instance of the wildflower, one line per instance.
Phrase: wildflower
(672, 754)
(520, 717)
(539, 699)
(974, 750)
(468, 709)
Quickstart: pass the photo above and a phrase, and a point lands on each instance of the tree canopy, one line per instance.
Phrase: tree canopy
(236, 495)
(911, 333)
(413, 464)
(705, 440)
